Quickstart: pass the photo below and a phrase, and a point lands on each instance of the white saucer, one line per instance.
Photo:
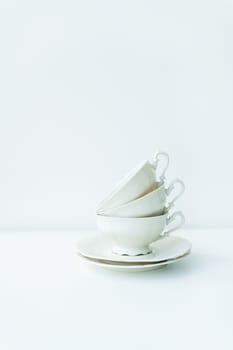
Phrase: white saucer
(131, 268)
(97, 250)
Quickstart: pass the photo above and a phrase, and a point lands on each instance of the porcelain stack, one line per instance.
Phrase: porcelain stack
(135, 221)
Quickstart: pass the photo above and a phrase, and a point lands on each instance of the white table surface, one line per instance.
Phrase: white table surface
(49, 299)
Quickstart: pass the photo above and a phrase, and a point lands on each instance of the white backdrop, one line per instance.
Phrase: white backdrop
(90, 88)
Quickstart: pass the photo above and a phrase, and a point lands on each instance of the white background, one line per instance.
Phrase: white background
(90, 88)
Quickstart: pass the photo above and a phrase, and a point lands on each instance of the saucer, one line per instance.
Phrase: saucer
(127, 267)
(97, 250)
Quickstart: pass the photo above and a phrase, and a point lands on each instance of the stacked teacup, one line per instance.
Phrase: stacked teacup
(136, 212)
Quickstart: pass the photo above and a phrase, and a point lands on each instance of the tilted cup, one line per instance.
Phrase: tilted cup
(133, 236)
(151, 204)
(135, 184)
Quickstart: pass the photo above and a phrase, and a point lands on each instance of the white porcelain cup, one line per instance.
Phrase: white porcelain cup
(132, 236)
(136, 183)
(151, 204)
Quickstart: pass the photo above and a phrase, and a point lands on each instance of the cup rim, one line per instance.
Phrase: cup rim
(139, 218)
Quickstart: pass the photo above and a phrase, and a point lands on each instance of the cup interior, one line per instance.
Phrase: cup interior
(108, 212)
(153, 187)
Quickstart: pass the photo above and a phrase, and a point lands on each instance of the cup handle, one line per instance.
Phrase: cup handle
(175, 183)
(172, 218)
(157, 158)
